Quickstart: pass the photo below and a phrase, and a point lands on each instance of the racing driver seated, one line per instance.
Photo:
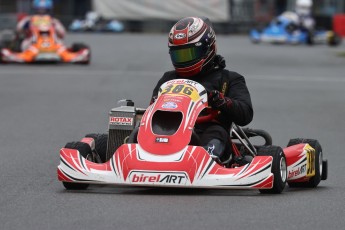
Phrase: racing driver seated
(193, 52)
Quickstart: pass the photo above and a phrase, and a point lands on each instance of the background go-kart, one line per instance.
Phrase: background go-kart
(297, 91)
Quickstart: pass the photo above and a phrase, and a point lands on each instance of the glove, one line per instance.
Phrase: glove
(217, 100)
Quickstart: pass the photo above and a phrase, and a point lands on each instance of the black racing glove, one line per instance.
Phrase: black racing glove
(217, 100)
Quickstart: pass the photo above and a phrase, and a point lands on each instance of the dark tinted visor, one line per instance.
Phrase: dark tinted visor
(185, 55)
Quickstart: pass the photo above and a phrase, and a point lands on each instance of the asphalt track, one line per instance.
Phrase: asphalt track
(297, 91)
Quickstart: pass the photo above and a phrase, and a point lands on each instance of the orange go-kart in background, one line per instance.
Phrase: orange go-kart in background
(45, 46)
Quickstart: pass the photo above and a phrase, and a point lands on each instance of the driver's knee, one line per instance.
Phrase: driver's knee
(217, 149)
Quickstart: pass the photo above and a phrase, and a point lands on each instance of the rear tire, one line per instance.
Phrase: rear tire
(279, 168)
(324, 170)
(79, 46)
(1, 47)
(334, 40)
(85, 150)
(315, 180)
(101, 141)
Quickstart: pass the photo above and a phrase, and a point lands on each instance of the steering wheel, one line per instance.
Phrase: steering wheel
(212, 114)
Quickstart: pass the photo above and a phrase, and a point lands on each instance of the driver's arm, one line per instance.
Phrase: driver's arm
(241, 110)
(236, 104)
(23, 26)
(59, 28)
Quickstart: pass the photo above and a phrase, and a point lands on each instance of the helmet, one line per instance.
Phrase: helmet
(303, 7)
(192, 46)
(42, 6)
(305, 3)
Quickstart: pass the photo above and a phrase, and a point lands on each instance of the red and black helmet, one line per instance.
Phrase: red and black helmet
(192, 45)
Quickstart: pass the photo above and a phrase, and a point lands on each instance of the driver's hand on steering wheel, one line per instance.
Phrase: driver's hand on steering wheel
(217, 100)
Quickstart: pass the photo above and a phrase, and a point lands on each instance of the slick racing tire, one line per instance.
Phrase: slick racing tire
(79, 46)
(310, 38)
(85, 150)
(319, 173)
(279, 168)
(101, 141)
(1, 61)
(334, 39)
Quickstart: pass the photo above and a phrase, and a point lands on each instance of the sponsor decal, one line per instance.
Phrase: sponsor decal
(162, 139)
(121, 120)
(169, 105)
(180, 36)
(210, 149)
(190, 82)
(297, 172)
(172, 99)
(310, 152)
(183, 81)
(179, 81)
(173, 178)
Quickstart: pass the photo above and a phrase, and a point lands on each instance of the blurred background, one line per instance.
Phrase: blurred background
(229, 16)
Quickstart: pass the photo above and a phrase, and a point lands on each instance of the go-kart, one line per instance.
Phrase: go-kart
(157, 147)
(46, 47)
(284, 30)
(95, 23)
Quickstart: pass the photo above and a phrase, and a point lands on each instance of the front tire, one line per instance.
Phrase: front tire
(85, 150)
(279, 168)
(310, 38)
(315, 180)
(75, 186)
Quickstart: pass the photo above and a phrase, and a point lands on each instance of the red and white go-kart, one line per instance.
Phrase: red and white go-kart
(157, 147)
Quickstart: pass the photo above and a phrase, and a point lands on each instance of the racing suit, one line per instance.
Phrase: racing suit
(23, 29)
(237, 106)
(307, 22)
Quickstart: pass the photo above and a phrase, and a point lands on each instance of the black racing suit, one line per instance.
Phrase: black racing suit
(214, 135)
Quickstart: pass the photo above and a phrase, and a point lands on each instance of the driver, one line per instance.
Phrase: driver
(193, 52)
(304, 11)
(41, 7)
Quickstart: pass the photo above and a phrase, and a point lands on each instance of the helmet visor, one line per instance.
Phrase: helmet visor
(186, 55)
